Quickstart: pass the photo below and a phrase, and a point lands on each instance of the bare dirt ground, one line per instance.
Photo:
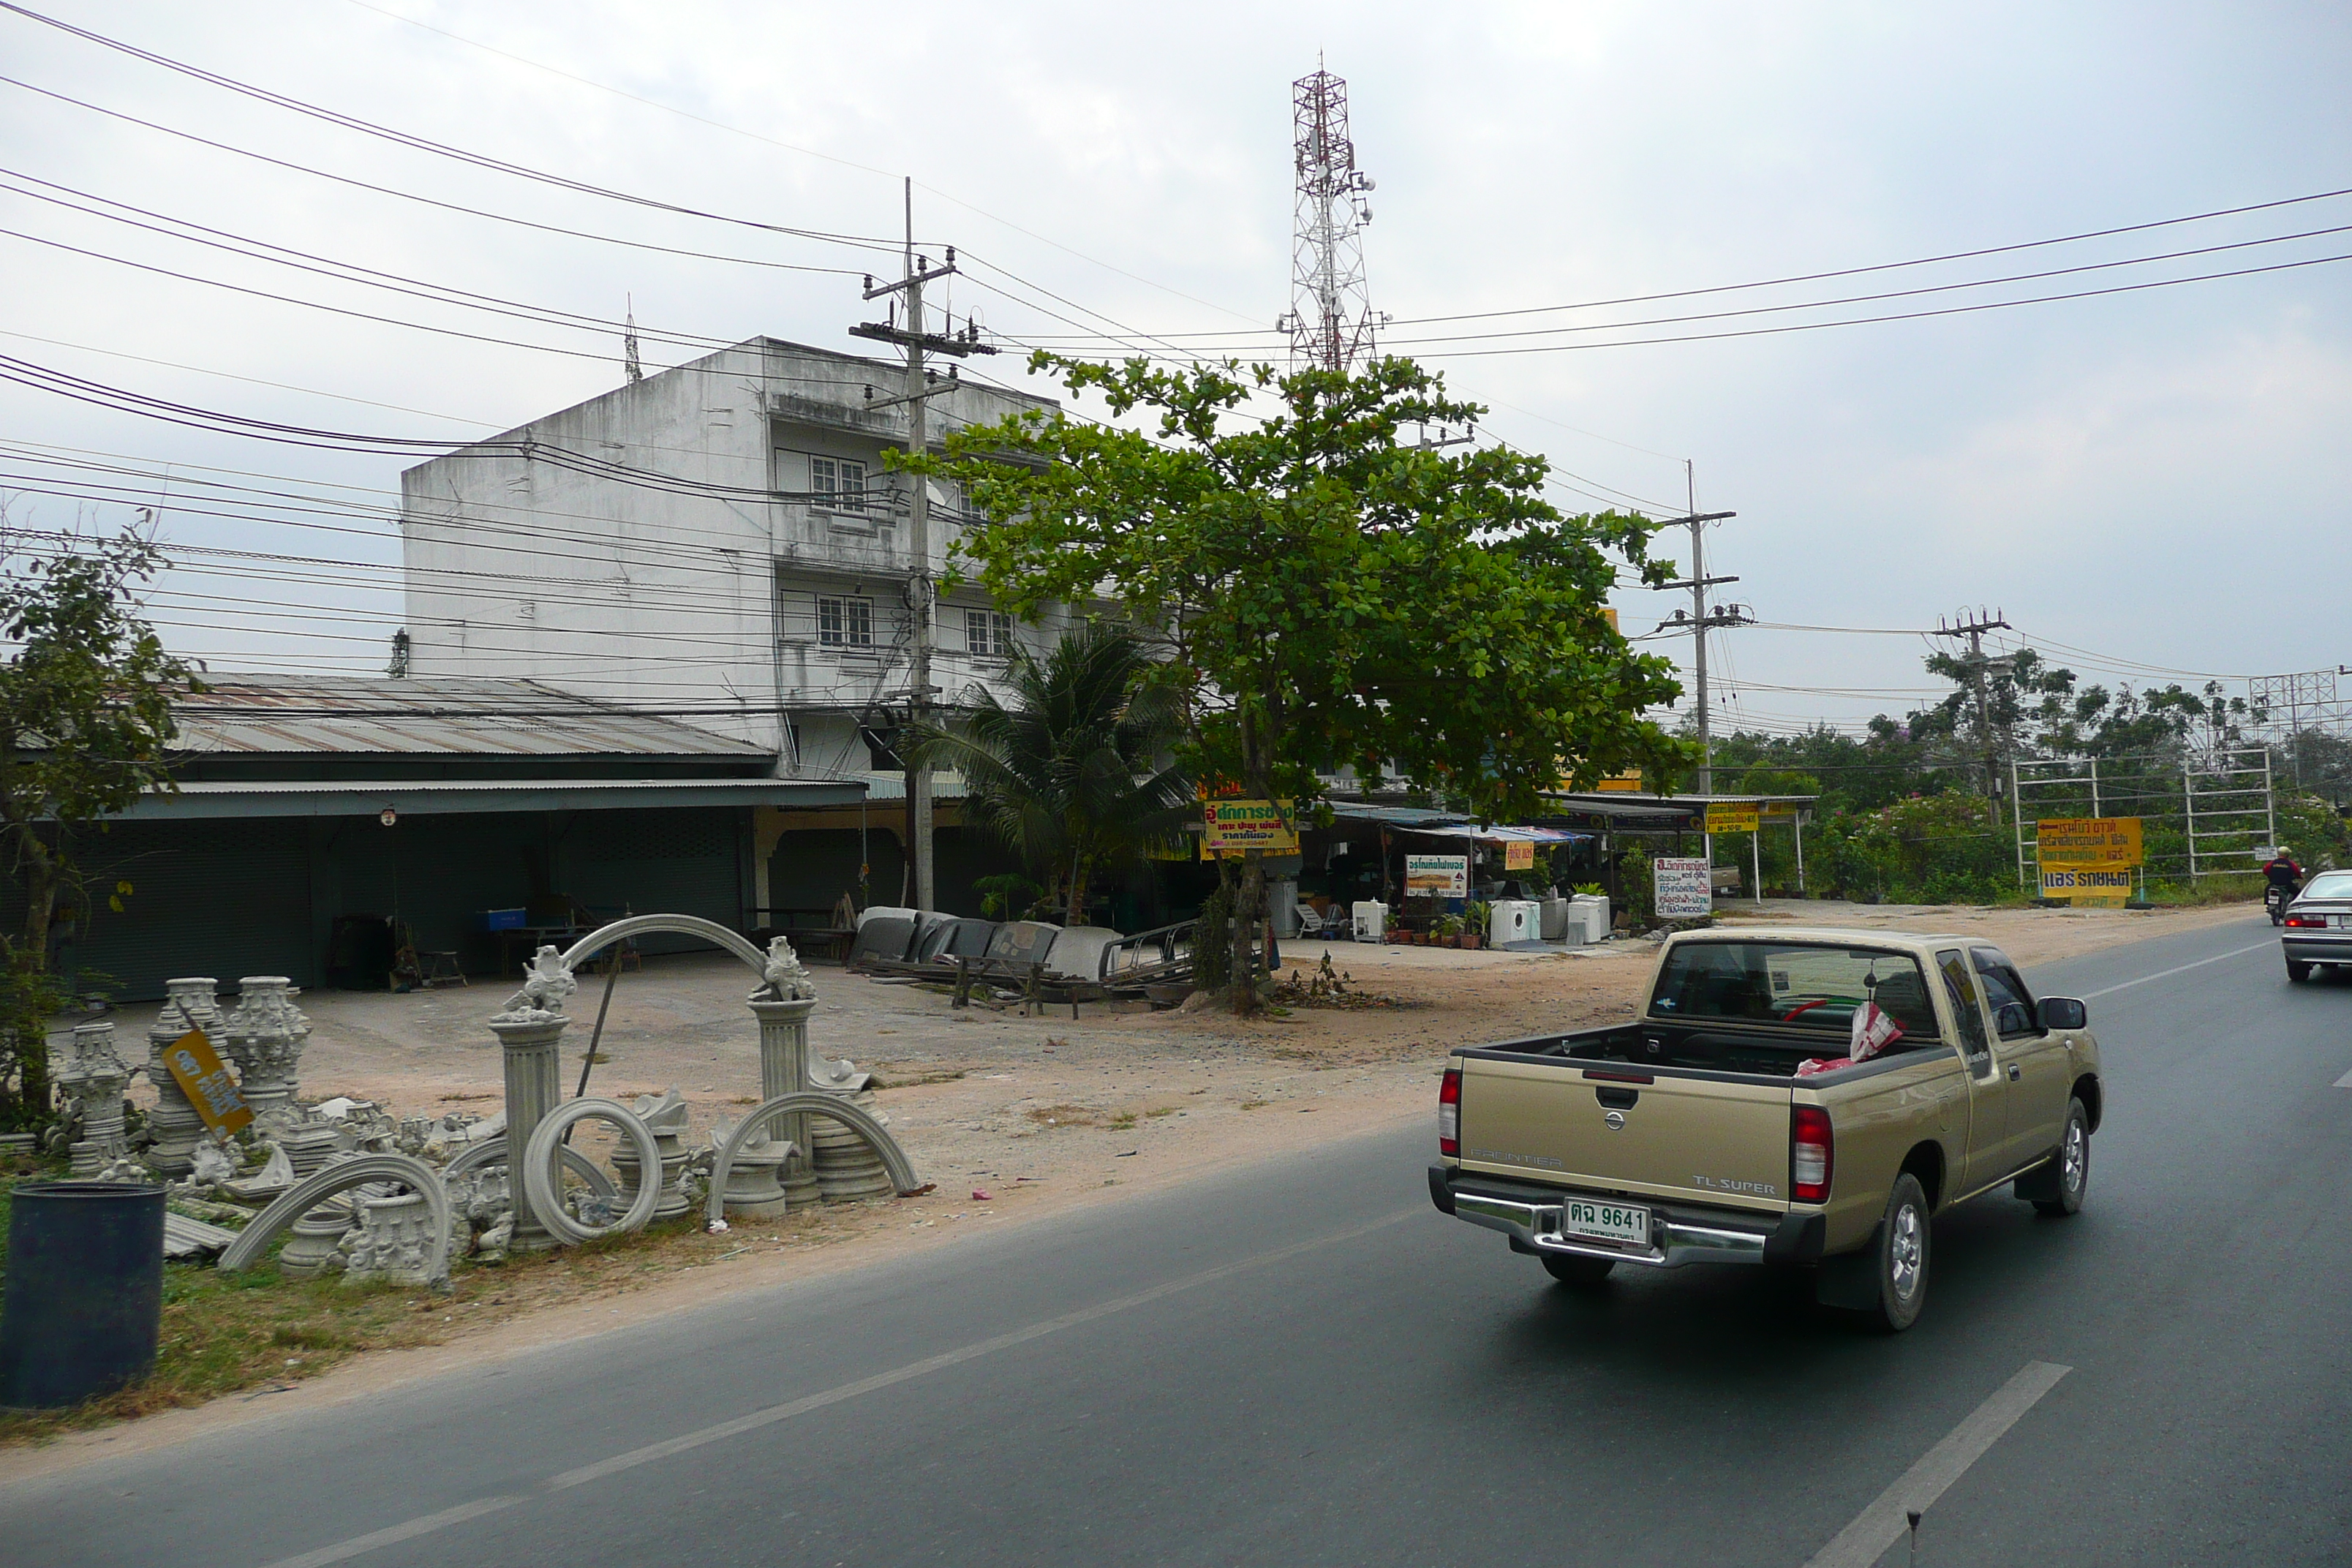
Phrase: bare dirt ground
(1039, 1114)
(992, 1101)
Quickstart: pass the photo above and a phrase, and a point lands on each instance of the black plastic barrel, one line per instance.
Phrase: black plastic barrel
(85, 1299)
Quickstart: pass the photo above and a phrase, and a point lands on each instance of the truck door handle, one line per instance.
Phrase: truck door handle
(2015, 1072)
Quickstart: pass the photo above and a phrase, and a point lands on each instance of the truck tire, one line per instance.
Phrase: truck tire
(1905, 1242)
(2298, 972)
(2068, 1178)
(1583, 1273)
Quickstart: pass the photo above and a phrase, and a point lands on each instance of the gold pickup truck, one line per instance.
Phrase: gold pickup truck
(1731, 1121)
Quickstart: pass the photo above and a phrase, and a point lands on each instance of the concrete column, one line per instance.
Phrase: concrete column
(176, 1123)
(783, 1070)
(531, 1044)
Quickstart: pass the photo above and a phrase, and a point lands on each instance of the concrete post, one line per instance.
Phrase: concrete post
(176, 1123)
(531, 1044)
(783, 1070)
(265, 1035)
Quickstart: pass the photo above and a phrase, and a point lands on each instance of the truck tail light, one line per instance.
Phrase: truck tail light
(1812, 1151)
(1449, 1113)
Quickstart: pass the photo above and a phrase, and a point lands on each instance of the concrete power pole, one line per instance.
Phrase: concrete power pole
(1700, 621)
(1979, 665)
(922, 593)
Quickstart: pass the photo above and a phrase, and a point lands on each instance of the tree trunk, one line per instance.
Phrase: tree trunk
(27, 1024)
(1249, 907)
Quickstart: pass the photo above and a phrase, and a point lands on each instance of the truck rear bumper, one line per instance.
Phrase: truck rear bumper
(1679, 1234)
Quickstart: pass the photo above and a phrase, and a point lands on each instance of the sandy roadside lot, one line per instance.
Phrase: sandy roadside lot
(1041, 1114)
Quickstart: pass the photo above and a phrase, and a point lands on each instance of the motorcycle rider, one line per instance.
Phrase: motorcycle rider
(2281, 871)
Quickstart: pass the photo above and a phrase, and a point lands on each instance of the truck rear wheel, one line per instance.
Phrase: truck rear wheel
(1582, 1272)
(1905, 1242)
(2066, 1180)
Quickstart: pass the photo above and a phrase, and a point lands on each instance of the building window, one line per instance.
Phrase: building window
(845, 623)
(837, 482)
(988, 633)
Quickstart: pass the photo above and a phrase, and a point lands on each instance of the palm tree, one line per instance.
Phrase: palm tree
(1068, 775)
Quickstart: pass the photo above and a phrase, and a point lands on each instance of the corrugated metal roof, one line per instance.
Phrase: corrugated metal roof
(384, 715)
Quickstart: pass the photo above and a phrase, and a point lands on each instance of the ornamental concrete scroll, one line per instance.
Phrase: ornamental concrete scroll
(539, 1158)
(894, 1159)
(712, 931)
(788, 979)
(343, 1176)
(493, 1152)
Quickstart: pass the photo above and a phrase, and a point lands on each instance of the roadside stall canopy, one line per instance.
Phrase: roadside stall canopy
(1503, 835)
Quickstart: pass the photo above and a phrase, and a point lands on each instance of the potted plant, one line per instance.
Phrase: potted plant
(1447, 928)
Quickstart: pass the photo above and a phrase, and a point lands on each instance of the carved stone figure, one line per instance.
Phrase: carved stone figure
(547, 985)
(787, 977)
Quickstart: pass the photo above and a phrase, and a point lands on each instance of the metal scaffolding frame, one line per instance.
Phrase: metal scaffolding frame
(2211, 804)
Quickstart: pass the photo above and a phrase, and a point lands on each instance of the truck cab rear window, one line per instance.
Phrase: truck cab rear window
(1800, 986)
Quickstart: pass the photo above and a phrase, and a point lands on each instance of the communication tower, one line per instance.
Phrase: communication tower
(1330, 320)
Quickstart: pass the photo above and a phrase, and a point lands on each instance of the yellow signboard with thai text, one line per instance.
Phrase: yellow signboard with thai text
(2088, 841)
(202, 1078)
(2088, 886)
(1732, 816)
(1232, 824)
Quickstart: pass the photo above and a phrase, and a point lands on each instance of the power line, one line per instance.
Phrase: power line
(423, 200)
(425, 144)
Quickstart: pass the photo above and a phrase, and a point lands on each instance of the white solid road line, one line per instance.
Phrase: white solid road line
(2183, 969)
(424, 1525)
(2345, 1082)
(1882, 1523)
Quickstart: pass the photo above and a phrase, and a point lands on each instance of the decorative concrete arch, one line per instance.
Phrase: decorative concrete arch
(493, 1152)
(538, 1170)
(712, 931)
(894, 1159)
(341, 1177)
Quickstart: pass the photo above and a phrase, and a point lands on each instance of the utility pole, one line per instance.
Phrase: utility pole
(1700, 620)
(1978, 664)
(921, 590)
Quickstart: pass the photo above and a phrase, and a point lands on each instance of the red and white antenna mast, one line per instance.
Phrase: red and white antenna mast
(1330, 320)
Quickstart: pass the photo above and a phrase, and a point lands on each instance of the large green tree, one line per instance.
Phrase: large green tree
(1072, 774)
(86, 693)
(1324, 587)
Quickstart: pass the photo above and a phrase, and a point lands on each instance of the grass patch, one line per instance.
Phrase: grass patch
(1125, 1120)
(1255, 1104)
(229, 1333)
(1068, 1116)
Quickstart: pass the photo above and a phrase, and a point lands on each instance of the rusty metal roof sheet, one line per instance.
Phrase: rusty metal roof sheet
(383, 715)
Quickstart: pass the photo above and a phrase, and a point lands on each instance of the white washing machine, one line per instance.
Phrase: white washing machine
(1370, 919)
(1515, 919)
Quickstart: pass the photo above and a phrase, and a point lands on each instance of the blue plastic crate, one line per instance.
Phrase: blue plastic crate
(504, 920)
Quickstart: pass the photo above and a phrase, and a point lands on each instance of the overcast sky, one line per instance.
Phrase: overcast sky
(2155, 479)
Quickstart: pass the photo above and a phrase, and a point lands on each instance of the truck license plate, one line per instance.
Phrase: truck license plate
(1605, 1221)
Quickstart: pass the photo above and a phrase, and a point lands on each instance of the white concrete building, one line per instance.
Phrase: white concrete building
(720, 542)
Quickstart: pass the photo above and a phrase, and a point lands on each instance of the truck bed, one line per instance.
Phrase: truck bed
(1761, 1053)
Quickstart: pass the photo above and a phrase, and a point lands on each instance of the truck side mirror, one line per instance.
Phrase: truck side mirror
(2065, 1012)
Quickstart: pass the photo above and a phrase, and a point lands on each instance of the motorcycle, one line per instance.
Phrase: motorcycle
(2275, 898)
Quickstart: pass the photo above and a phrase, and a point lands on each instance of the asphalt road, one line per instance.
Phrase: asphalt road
(1303, 1364)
